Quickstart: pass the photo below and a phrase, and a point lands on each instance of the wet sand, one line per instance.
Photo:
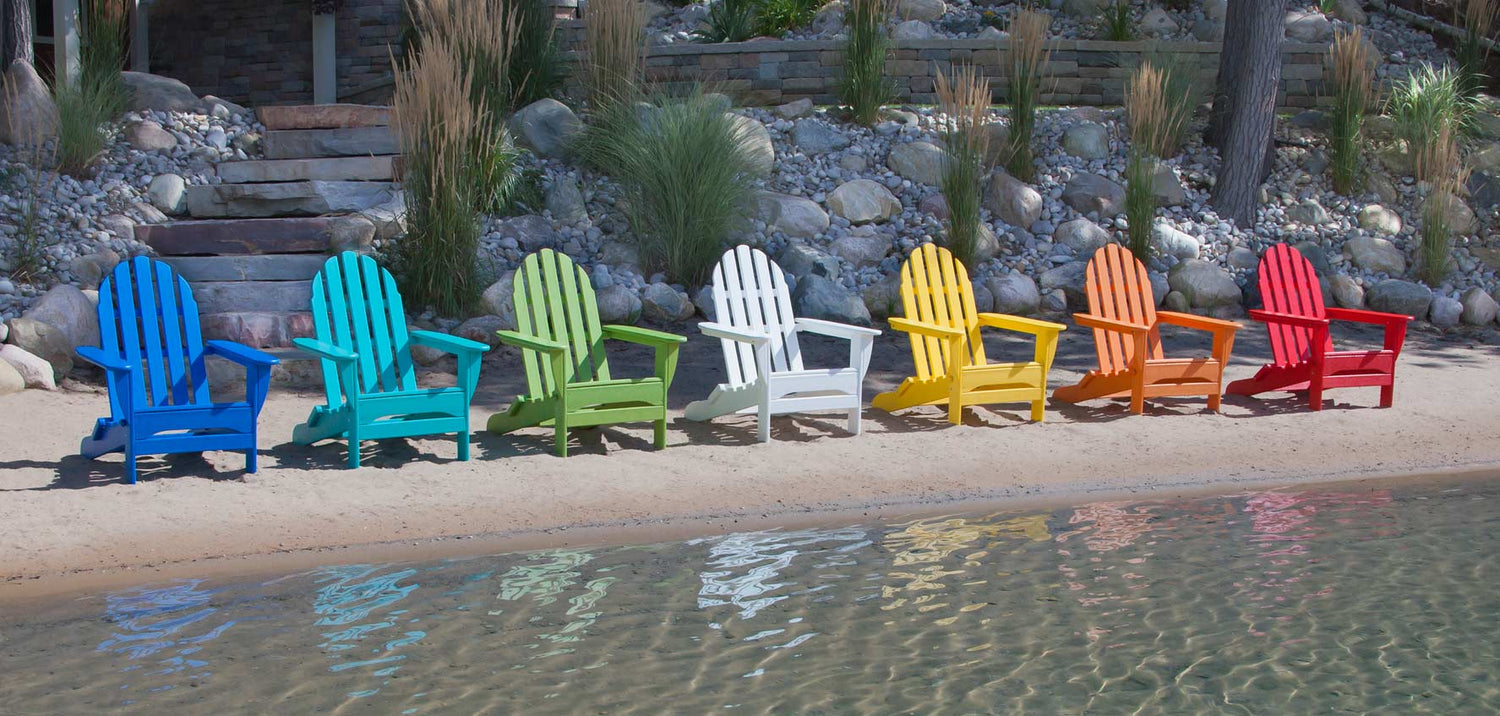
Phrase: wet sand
(67, 523)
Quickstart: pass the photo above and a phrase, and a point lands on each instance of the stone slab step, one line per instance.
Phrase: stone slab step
(328, 169)
(305, 198)
(271, 267)
(245, 237)
(324, 116)
(268, 329)
(315, 143)
(253, 296)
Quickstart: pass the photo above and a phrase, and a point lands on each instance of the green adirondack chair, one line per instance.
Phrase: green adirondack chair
(568, 382)
(367, 369)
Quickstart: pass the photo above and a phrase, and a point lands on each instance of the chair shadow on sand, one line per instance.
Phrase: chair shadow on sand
(76, 472)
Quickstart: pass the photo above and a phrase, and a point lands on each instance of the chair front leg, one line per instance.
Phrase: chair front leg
(1316, 359)
(1138, 374)
(763, 387)
(956, 379)
(1223, 346)
(349, 376)
(560, 404)
(666, 369)
(1046, 352)
(860, 348)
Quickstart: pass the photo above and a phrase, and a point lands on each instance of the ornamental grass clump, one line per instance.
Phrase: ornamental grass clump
(26, 252)
(615, 50)
(865, 88)
(1118, 24)
(1424, 106)
(1443, 194)
(449, 148)
(1352, 81)
(1026, 60)
(686, 177)
(964, 100)
(1477, 18)
(1153, 126)
(728, 21)
(87, 105)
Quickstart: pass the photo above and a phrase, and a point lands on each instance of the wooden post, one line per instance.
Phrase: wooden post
(140, 53)
(325, 66)
(67, 42)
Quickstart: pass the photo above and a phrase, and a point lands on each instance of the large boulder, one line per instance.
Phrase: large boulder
(1090, 193)
(921, 162)
(1377, 255)
(1204, 284)
(1460, 217)
(755, 142)
(168, 192)
(1379, 220)
(1308, 26)
(1158, 22)
(11, 380)
(1309, 212)
(43, 341)
(1072, 280)
(532, 232)
(1479, 307)
(814, 136)
(1350, 11)
(148, 136)
(1445, 312)
(1347, 292)
(34, 371)
(661, 303)
(801, 260)
(565, 202)
(1015, 294)
(820, 298)
(1084, 237)
(69, 310)
(883, 298)
(1086, 140)
(500, 300)
(1166, 186)
(27, 113)
(795, 216)
(1396, 296)
(1013, 200)
(546, 127)
(924, 10)
(912, 30)
(861, 250)
(863, 201)
(483, 329)
(619, 305)
(1171, 242)
(163, 94)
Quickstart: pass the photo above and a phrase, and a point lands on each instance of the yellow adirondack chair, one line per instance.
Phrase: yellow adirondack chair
(943, 326)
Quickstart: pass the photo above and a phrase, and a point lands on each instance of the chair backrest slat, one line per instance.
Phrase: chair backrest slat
(935, 288)
(555, 300)
(147, 317)
(1288, 284)
(356, 306)
(750, 292)
(1119, 288)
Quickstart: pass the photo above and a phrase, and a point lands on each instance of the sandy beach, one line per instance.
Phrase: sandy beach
(67, 523)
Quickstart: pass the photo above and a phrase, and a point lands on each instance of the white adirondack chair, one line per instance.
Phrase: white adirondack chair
(754, 321)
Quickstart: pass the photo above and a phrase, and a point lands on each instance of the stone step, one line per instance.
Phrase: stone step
(306, 198)
(272, 267)
(327, 169)
(253, 296)
(272, 329)
(324, 116)
(315, 143)
(243, 237)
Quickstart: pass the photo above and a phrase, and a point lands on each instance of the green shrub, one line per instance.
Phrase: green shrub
(1140, 202)
(775, 18)
(1477, 17)
(1154, 122)
(865, 88)
(1028, 55)
(1425, 105)
(1118, 23)
(101, 57)
(728, 21)
(1437, 230)
(1352, 82)
(964, 101)
(685, 176)
(537, 70)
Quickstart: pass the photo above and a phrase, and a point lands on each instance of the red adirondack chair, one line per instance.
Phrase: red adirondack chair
(1304, 356)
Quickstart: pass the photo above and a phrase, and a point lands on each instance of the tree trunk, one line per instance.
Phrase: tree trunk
(15, 32)
(1253, 70)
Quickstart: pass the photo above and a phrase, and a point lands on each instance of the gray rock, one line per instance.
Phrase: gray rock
(1208, 30)
(934, 205)
(1460, 216)
(1086, 140)
(34, 371)
(1013, 200)
(814, 136)
(67, 309)
(1015, 294)
(11, 380)
(1479, 307)
(1350, 11)
(43, 341)
(163, 94)
(482, 329)
(924, 10)
(565, 202)
(27, 114)
(1380, 220)
(1158, 23)
(1087, 193)
(119, 225)
(1166, 186)
(920, 162)
(755, 142)
(988, 245)
(546, 127)
(350, 233)
(1071, 279)
(861, 251)
(1308, 26)
(801, 260)
(532, 232)
(424, 355)
(1382, 187)
(168, 193)
(1242, 258)
(1083, 236)
(619, 254)
(863, 201)
(1159, 286)
(499, 300)
(818, 297)
(1396, 296)
(998, 149)
(1088, 9)
(883, 298)
(90, 269)
(704, 301)
(796, 109)
(794, 216)
(148, 136)
(1309, 212)
(1315, 256)
(1055, 301)
(912, 30)
(1377, 255)
(661, 303)
(1177, 301)
(618, 305)
(1204, 284)
(1171, 242)
(1445, 312)
(1347, 292)
(308, 198)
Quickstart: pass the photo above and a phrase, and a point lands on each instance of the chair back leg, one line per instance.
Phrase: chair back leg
(463, 445)
(130, 463)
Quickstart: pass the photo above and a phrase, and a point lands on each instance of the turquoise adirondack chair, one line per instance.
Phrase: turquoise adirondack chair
(367, 368)
(152, 352)
(568, 381)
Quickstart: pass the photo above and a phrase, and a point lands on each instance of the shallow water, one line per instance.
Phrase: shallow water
(1351, 599)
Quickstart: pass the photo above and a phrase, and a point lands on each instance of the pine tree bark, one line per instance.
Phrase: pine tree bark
(1249, 78)
(15, 32)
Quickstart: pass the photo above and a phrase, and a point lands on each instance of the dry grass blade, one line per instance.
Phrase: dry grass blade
(1437, 224)
(964, 100)
(1153, 124)
(864, 87)
(1351, 79)
(1027, 59)
(615, 38)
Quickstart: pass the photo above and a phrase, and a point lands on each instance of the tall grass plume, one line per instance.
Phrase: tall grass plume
(1351, 70)
(1427, 105)
(1442, 154)
(615, 50)
(1154, 126)
(964, 101)
(1026, 61)
(1477, 18)
(864, 88)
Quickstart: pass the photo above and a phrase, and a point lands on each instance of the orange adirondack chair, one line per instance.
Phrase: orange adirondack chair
(1122, 312)
(1303, 351)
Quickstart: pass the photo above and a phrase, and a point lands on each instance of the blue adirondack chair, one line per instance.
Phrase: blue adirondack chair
(152, 353)
(367, 368)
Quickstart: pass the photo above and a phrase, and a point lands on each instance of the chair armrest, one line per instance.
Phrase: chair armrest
(242, 354)
(643, 336)
(1109, 324)
(730, 333)
(835, 330)
(1288, 319)
(325, 351)
(1019, 324)
(1202, 323)
(108, 362)
(927, 329)
(447, 343)
(531, 343)
(1359, 316)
